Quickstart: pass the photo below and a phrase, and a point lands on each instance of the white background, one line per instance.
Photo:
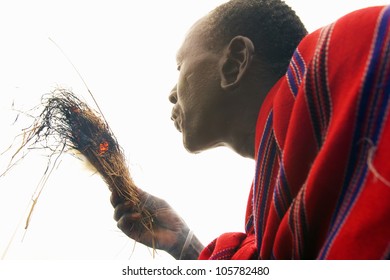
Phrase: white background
(125, 51)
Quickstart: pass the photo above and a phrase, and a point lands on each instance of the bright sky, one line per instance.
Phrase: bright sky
(125, 51)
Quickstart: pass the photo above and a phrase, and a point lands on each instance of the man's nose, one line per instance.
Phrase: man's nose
(173, 95)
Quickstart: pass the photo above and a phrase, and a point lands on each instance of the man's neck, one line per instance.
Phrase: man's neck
(244, 122)
(243, 129)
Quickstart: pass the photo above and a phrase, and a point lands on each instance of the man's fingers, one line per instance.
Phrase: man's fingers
(125, 208)
(128, 223)
(131, 225)
(115, 198)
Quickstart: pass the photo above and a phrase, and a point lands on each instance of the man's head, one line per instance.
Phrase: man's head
(227, 63)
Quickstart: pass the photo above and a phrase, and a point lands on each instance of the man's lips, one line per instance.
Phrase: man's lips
(177, 123)
(175, 117)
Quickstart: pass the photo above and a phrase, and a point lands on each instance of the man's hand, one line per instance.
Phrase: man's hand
(169, 231)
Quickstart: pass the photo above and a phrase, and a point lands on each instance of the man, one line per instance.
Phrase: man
(311, 110)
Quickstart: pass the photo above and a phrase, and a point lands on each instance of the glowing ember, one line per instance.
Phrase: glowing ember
(103, 148)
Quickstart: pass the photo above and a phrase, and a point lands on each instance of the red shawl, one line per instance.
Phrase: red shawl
(322, 183)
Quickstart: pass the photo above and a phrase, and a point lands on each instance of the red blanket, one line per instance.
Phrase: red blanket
(322, 183)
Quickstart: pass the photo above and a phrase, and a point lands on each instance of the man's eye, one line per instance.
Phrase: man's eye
(178, 67)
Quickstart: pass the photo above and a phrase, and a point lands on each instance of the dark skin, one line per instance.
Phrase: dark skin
(216, 103)
(169, 230)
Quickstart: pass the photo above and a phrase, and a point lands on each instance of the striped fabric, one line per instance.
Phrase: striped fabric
(322, 183)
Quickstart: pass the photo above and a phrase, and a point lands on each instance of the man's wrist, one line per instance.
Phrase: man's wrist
(192, 250)
(189, 248)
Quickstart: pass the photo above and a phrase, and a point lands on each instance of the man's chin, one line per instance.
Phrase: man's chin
(196, 147)
(192, 149)
(192, 146)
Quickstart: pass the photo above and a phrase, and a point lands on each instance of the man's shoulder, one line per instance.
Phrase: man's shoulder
(359, 17)
(349, 33)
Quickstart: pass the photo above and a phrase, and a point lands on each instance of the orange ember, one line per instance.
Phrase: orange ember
(103, 148)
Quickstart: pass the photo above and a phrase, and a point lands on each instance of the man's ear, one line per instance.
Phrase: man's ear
(236, 61)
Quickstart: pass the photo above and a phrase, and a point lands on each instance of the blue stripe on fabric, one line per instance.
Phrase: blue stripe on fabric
(291, 81)
(264, 153)
(295, 72)
(316, 89)
(261, 149)
(385, 82)
(300, 62)
(249, 224)
(282, 193)
(271, 152)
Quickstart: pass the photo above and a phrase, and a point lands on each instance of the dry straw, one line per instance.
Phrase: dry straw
(67, 123)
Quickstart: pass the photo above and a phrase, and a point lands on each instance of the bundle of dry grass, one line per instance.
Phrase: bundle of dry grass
(68, 123)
